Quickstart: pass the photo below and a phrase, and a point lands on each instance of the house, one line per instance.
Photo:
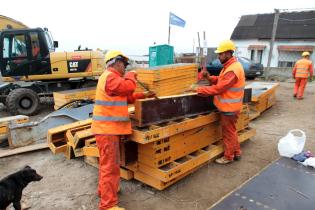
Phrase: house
(295, 33)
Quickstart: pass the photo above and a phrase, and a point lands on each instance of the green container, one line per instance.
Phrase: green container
(161, 55)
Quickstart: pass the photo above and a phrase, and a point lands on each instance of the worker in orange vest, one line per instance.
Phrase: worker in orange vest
(303, 69)
(228, 92)
(111, 121)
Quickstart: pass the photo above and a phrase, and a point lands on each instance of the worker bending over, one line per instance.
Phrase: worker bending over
(303, 69)
(228, 92)
(111, 122)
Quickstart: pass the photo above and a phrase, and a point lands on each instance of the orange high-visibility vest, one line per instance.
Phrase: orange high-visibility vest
(303, 68)
(110, 114)
(231, 100)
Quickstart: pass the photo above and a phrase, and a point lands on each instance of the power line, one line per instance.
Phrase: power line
(298, 9)
(301, 20)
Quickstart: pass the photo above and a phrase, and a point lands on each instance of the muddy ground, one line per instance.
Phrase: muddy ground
(71, 184)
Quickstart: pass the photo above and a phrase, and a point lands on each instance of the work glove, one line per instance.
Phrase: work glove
(149, 94)
(205, 74)
(131, 74)
(193, 88)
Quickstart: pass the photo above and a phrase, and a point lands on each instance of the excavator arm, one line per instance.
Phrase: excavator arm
(9, 23)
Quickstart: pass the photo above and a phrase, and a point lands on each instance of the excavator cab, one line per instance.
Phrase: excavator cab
(25, 52)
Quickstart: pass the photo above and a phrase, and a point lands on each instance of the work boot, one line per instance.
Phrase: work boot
(300, 98)
(223, 160)
(116, 208)
(237, 157)
(294, 95)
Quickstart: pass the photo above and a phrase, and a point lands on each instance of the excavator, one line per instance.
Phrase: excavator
(31, 68)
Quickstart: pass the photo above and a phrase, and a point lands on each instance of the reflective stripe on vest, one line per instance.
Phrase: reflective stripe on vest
(236, 100)
(236, 89)
(108, 118)
(302, 68)
(111, 103)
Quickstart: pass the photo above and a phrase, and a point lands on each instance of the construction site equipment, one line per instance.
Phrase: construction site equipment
(29, 55)
(169, 79)
(22, 134)
(263, 97)
(174, 107)
(5, 121)
(7, 23)
(64, 97)
(158, 154)
(161, 55)
(284, 184)
(170, 108)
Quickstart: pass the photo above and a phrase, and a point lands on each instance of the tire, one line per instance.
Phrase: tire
(23, 101)
(250, 78)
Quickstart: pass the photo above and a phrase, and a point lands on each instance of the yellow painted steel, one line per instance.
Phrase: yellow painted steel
(181, 167)
(6, 21)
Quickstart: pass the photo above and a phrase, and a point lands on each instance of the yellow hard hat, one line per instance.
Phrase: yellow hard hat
(224, 46)
(305, 54)
(113, 54)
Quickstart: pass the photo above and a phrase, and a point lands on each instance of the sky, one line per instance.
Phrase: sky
(132, 26)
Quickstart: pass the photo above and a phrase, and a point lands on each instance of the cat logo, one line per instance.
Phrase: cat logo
(74, 64)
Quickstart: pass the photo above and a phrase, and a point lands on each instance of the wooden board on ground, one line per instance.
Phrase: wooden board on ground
(9, 152)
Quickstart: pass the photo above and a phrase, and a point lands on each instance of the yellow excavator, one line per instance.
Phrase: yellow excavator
(31, 69)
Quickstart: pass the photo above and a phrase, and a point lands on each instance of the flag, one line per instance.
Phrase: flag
(174, 20)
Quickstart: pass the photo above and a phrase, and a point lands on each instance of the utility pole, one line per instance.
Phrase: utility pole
(200, 51)
(272, 40)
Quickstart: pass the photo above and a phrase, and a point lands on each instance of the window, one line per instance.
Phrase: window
(35, 44)
(259, 56)
(19, 46)
(252, 54)
(6, 47)
(50, 42)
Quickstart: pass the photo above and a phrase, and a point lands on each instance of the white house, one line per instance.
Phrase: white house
(295, 34)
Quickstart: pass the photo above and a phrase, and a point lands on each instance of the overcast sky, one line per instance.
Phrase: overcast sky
(134, 25)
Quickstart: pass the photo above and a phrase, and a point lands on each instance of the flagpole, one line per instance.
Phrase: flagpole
(169, 29)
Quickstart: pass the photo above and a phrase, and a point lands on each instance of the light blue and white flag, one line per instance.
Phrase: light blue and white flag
(175, 20)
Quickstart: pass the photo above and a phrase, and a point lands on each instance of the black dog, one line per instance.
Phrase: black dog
(11, 187)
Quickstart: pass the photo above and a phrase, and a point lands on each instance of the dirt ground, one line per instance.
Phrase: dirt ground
(71, 184)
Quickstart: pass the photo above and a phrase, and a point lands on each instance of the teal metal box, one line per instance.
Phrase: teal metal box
(161, 55)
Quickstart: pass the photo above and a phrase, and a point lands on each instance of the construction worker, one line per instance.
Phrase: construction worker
(228, 92)
(111, 121)
(303, 69)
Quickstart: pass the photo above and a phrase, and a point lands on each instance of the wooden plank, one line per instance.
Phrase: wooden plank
(9, 152)
(152, 111)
